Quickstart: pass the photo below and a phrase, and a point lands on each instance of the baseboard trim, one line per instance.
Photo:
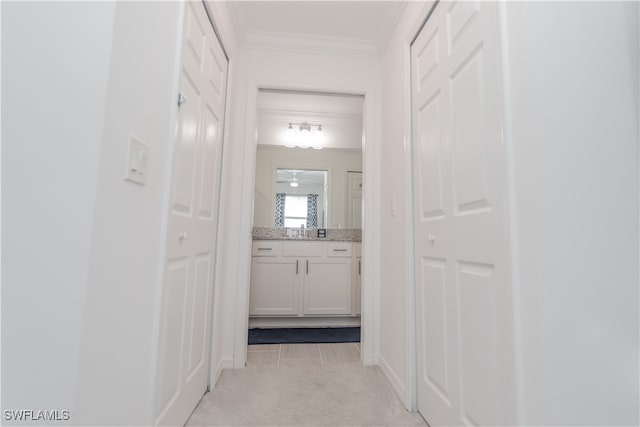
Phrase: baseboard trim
(394, 380)
(221, 366)
(303, 322)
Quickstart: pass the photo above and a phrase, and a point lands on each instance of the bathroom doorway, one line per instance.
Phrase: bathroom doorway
(306, 267)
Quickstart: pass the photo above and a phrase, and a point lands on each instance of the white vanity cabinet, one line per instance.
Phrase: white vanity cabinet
(302, 278)
(275, 287)
(328, 282)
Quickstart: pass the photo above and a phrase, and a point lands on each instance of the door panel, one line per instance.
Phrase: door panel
(477, 331)
(172, 326)
(200, 306)
(209, 165)
(463, 311)
(184, 339)
(467, 123)
(433, 305)
(185, 151)
(431, 156)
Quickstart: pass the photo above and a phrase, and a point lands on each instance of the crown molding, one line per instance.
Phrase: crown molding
(304, 43)
(286, 115)
(279, 147)
(390, 24)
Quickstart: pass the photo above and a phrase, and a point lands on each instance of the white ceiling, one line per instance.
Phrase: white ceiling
(339, 115)
(360, 27)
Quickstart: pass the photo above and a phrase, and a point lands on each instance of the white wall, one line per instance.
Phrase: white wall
(337, 162)
(281, 70)
(118, 355)
(55, 60)
(574, 145)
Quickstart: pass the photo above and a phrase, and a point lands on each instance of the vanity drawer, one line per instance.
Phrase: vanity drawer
(339, 249)
(303, 249)
(266, 248)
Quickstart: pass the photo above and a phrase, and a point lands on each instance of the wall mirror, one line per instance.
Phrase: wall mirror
(301, 198)
(308, 160)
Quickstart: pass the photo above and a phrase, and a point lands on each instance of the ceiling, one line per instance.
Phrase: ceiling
(339, 115)
(360, 27)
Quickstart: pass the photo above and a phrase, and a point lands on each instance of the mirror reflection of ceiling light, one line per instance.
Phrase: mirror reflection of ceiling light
(294, 180)
(305, 136)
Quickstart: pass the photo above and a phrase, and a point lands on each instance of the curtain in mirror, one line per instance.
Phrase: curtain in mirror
(280, 200)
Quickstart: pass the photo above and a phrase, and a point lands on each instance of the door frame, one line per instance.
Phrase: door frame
(410, 397)
(370, 239)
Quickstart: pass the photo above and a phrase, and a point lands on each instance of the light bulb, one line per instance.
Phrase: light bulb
(293, 184)
(289, 137)
(318, 138)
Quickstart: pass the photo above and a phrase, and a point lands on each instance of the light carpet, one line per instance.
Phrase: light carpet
(326, 395)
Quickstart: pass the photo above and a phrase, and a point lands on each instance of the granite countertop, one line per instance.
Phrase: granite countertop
(333, 234)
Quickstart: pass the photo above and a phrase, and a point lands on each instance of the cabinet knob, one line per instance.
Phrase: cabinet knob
(431, 238)
(182, 236)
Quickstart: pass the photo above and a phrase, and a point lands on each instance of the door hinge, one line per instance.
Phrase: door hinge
(182, 98)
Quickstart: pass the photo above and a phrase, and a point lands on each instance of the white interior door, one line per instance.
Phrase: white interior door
(354, 199)
(464, 328)
(191, 234)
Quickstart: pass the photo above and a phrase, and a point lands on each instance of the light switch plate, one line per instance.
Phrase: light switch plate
(137, 161)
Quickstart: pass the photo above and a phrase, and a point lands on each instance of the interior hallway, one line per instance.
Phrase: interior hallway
(85, 272)
(303, 385)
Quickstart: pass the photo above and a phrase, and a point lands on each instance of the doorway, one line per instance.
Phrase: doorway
(306, 251)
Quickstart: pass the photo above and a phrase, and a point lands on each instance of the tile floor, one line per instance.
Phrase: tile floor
(302, 354)
(303, 385)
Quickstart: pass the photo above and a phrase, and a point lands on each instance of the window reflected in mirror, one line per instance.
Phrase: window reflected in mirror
(301, 198)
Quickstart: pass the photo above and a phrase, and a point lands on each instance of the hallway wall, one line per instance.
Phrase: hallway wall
(574, 141)
(54, 90)
(117, 365)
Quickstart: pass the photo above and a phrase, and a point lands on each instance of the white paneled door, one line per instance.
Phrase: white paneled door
(463, 298)
(183, 357)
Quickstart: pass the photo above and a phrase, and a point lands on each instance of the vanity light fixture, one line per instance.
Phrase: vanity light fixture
(306, 136)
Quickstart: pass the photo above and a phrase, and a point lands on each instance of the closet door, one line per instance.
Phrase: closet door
(183, 359)
(464, 320)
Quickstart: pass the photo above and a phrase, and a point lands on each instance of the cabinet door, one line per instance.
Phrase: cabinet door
(327, 286)
(275, 284)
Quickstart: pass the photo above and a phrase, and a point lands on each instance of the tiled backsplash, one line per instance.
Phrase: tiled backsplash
(278, 233)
